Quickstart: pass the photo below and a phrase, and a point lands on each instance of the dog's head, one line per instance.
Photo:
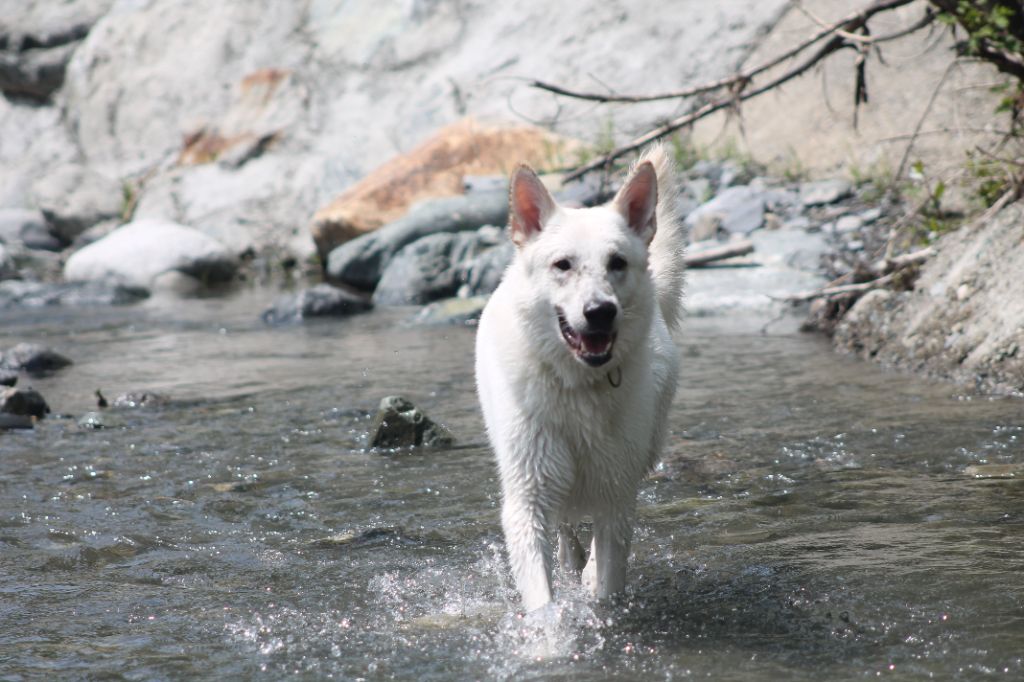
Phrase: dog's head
(583, 272)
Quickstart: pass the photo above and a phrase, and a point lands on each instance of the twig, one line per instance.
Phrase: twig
(706, 256)
(851, 22)
(828, 292)
(920, 121)
(886, 270)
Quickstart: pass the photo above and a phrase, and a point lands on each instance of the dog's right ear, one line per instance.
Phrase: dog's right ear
(530, 205)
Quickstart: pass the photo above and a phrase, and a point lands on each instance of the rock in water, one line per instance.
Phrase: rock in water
(8, 377)
(134, 399)
(14, 293)
(142, 251)
(33, 358)
(427, 269)
(23, 401)
(361, 262)
(482, 274)
(323, 300)
(399, 423)
(464, 311)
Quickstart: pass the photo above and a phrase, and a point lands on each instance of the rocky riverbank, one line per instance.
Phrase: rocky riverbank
(172, 150)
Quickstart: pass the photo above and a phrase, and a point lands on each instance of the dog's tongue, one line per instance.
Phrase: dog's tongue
(597, 344)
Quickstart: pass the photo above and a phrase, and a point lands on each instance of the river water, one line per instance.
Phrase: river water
(815, 517)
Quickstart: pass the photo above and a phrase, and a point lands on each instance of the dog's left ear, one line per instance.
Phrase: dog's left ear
(637, 201)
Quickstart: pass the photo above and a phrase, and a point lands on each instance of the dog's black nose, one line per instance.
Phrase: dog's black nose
(600, 315)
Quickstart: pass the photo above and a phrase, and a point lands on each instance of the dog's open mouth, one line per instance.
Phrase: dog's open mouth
(593, 348)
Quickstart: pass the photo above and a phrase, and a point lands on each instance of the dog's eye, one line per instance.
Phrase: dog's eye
(617, 263)
(562, 264)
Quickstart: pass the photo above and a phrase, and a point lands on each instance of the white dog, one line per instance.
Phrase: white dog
(576, 369)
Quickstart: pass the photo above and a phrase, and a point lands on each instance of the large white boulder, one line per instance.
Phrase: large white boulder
(144, 251)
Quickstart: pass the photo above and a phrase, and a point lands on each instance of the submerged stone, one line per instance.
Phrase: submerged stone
(398, 423)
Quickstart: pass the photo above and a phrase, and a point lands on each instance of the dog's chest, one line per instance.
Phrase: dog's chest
(605, 429)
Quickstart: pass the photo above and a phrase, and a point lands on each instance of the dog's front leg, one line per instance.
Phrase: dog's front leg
(528, 527)
(605, 573)
(536, 478)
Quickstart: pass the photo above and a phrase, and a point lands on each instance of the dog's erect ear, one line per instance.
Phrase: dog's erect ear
(637, 201)
(530, 205)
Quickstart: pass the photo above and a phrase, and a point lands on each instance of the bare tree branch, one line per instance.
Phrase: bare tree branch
(739, 83)
(843, 27)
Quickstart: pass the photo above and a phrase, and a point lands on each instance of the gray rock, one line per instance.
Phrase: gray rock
(23, 401)
(870, 215)
(848, 223)
(73, 294)
(362, 261)
(35, 141)
(74, 198)
(800, 222)
(484, 183)
(137, 399)
(93, 420)
(8, 270)
(398, 423)
(457, 311)
(740, 210)
(37, 39)
(482, 274)
(428, 269)
(322, 300)
(821, 192)
(15, 421)
(33, 358)
(137, 254)
(34, 74)
(28, 227)
(8, 377)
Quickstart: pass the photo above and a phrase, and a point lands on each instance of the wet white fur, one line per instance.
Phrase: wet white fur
(568, 443)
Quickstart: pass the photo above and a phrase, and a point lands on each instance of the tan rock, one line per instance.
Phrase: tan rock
(434, 169)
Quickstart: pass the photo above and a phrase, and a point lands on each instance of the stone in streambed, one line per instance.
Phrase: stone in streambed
(8, 377)
(15, 293)
(459, 311)
(136, 399)
(362, 261)
(399, 423)
(33, 358)
(142, 251)
(24, 402)
(426, 270)
(322, 300)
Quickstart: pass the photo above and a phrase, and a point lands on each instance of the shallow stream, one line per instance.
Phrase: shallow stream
(815, 517)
